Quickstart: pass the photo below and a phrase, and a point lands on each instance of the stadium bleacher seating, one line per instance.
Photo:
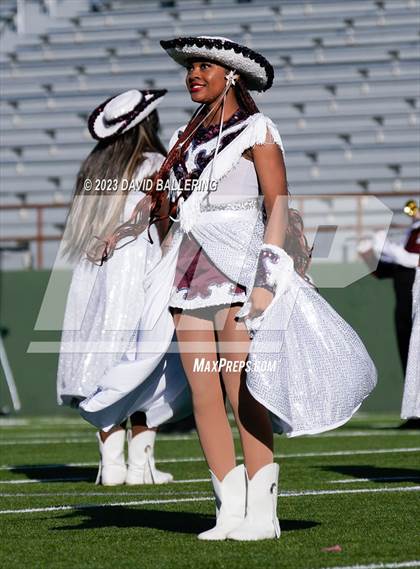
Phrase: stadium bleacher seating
(345, 97)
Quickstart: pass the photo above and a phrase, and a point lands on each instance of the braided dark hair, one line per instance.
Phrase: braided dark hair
(296, 244)
(148, 210)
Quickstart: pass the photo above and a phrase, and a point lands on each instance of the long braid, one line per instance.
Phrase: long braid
(146, 211)
(296, 244)
(244, 97)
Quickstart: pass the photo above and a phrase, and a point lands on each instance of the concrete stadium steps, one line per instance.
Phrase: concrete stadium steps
(122, 43)
(345, 96)
(402, 84)
(407, 85)
(334, 122)
(300, 167)
(49, 117)
(364, 14)
(298, 55)
(407, 134)
(330, 153)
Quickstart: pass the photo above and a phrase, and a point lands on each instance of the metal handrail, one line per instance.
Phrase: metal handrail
(360, 226)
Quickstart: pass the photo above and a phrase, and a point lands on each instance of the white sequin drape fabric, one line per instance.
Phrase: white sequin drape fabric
(309, 367)
(411, 399)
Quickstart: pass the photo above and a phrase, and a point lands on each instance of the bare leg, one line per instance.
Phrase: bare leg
(196, 338)
(251, 417)
(139, 424)
(104, 435)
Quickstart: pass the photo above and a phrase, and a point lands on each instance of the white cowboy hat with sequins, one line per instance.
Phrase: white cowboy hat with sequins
(253, 67)
(122, 112)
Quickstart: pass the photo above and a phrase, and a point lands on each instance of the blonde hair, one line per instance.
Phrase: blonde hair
(96, 212)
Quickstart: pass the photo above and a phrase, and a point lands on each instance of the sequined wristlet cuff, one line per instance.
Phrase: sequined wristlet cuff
(274, 272)
(274, 268)
(266, 257)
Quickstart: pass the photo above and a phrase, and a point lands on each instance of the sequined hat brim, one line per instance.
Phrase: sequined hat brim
(101, 130)
(256, 71)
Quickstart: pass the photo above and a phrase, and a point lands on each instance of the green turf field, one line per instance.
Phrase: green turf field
(356, 487)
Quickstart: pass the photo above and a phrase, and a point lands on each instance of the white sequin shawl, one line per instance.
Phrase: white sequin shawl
(307, 365)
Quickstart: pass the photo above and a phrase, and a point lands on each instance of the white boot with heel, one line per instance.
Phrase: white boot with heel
(261, 520)
(230, 496)
(112, 468)
(141, 461)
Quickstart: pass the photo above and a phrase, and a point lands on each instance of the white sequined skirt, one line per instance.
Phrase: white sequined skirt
(411, 397)
(307, 365)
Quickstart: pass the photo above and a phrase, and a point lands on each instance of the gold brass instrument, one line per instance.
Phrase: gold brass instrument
(411, 208)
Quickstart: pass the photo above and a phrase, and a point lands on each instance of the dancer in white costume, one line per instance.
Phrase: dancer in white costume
(103, 300)
(410, 409)
(411, 397)
(406, 256)
(251, 256)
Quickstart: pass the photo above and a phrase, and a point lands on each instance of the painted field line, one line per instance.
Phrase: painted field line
(239, 457)
(64, 438)
(199, 480)
(48, 441)
(373, 479)
(397, 565)
(4, 422)
(48, 466)
(287, 494)
(110, 505)
(84, 479)
(103, 494)
(293, 493)
(284, 494)
(366, 433)
(43, 480)
(310, 454)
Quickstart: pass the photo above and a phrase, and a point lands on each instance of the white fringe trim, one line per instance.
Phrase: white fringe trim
(256, 131)
(220, 294)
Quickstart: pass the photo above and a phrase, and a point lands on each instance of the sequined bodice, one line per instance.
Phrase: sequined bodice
(200, 151)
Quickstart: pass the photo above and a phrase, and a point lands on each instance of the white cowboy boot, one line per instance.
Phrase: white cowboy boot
(261, 520)
(141, 462)
(112, 468)
(230, 497)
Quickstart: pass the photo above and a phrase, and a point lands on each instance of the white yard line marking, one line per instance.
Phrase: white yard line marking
(310, 454)
(43, 480)
(104, 494)
(84, 479)
(47, 441)
(293, 493)
(48, 466)
(366, 433)
(110, 505)
(287, 494)
(373, 479)
(397, 565)
(199, 480)
(66, 438)
(239, 457)
(4, 422)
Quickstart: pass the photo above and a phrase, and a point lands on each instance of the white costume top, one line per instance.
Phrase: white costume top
(322, 371)
(104, 306)
(411, 397)
(240, 184)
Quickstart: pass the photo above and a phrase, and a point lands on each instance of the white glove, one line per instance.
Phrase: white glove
(274, 272)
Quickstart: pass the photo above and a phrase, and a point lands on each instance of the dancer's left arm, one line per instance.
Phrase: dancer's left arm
(271, 172)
